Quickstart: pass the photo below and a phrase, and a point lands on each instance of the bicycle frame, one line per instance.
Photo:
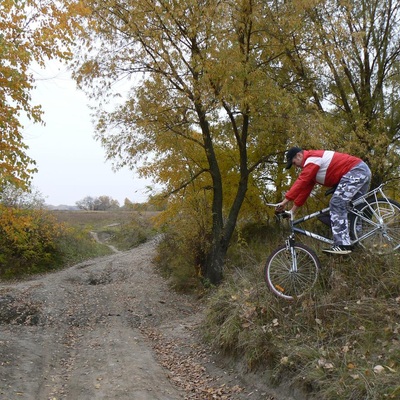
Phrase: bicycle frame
(305, 232)
(353, 210)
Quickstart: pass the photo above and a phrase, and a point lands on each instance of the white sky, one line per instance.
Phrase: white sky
(71, 163)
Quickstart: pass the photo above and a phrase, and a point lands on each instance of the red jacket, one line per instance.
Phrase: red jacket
(323, 167)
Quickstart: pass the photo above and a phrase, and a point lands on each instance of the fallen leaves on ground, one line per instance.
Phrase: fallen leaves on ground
(186, 372)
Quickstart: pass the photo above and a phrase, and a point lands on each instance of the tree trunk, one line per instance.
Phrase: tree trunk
(215, 263)
(222, 233)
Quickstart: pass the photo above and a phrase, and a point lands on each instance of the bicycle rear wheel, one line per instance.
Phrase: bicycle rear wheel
(288, 282)
(380, 222)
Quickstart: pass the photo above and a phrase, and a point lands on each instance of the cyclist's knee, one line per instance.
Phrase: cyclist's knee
(337, 203)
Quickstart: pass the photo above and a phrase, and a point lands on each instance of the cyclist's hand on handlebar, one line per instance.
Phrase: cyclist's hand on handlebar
(280, 212)
(280, 208)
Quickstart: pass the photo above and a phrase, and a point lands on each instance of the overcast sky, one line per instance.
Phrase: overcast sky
(71, 163)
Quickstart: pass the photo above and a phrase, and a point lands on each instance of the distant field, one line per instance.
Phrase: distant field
(98, 219)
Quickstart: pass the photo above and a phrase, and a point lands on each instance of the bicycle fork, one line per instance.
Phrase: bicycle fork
(290, 246)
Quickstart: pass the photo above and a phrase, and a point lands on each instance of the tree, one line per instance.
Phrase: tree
(34, 30)
(205, 111)
(86, 203)
(343, 58)
(101, 203)
(225, 87)
(15, 197)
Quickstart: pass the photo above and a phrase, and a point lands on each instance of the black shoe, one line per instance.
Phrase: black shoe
(339, 249)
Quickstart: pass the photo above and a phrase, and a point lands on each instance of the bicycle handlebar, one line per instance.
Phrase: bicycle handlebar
(272, 204)
(281, 214)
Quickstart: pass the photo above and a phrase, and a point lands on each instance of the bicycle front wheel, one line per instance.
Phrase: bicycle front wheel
(378, 226)
(291, 277)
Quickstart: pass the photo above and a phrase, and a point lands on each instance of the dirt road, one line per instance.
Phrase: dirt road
(109, 328)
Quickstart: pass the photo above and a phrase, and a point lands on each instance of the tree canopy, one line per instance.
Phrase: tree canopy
(30, 31)
(344, 58)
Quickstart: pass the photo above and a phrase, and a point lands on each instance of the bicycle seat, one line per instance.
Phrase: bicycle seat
(331, 190)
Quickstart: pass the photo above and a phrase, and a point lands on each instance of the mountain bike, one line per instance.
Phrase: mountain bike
(292, 269)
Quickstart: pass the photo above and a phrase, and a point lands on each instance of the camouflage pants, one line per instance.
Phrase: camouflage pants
(352, 185)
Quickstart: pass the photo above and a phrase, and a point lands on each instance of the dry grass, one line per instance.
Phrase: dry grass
(340, 342)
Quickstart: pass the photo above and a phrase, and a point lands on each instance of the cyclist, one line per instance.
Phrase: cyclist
(328, 168)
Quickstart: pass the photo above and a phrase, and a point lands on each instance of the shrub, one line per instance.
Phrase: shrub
(182, 251)
(177, 260)
(27, 240)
